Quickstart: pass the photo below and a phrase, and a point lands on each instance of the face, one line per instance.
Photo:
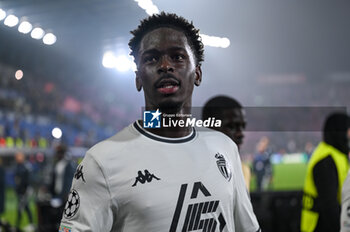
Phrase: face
(167, 69)
(233, 124)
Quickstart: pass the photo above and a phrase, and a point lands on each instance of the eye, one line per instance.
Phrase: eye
(178, 57)
(150, 59)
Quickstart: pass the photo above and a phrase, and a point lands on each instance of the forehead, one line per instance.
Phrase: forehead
(164, 38)
(235, 115)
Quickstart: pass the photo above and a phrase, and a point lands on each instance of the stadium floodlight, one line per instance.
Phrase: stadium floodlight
(19, 74)
(123, 63)
(56, 133)
(2, 14)
(109, 60)
(215, 41)
(11, 21)
(37, 33)
(207, 40)
(49, 39)
(25, 27)
(148, 6)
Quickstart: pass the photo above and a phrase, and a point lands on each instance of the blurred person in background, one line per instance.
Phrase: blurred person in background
(2, 188)
(326, 172)
(309, 148)
(22, 187)
(232, 116)
(262, 167)
(61, 180)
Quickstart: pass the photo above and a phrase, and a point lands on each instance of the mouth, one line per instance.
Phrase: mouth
(168, 86)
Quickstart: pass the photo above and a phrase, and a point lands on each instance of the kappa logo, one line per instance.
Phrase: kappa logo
(79, 173)
(143, 178)
(223, 167)
(201, 216)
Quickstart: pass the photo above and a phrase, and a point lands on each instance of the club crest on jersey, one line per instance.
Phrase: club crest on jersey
(223, 167)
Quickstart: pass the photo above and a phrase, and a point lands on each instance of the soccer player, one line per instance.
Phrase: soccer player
(232, 116)
(345, 200)
(345, 206)
(162, 179)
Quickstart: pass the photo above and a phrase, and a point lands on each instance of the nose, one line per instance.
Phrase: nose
(165, 65)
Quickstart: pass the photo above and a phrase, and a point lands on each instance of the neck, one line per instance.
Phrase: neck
(175, 114)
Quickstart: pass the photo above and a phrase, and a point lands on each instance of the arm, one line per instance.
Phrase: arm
(94, 212)
(345, 206)
(244, 217)
(326, 181)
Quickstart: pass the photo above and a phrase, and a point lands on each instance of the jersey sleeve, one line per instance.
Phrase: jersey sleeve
(345, 207)
(244, 217)
(89, 206)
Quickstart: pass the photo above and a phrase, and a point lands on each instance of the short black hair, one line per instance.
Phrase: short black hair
(335, 131)
(214, 106)
(172, 21)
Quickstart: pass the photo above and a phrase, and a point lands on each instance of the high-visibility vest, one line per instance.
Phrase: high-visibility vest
(309, 213)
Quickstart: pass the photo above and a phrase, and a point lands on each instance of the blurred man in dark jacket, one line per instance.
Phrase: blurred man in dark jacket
(22, 177)
(2, 188)
(326, 172)
(62, 176)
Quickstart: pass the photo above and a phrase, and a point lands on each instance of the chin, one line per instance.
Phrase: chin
(170, 107)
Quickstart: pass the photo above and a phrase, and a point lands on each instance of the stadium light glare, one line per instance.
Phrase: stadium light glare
(37, 33)
(225, 42)
(19, 74)
(11, 21)
(25, 27)
(2, 14)
(207, 40)
(215, 41)
(123, 63)
(148, 6)
(109, 60)
(49, 39)
(56, 133)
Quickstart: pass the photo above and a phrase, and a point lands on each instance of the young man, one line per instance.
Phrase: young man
(232, 116)
(164, 179)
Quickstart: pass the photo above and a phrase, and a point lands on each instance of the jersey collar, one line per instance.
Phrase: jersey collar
(146, 133)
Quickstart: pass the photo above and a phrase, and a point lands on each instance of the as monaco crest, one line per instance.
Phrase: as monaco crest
(223, 167)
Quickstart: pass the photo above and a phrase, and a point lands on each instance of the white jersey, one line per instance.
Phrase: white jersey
(345, 206)
(137, 181)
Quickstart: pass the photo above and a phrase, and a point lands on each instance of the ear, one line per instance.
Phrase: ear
(198, 77)
(138, 82)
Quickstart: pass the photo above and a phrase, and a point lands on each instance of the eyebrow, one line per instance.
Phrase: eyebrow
(155, 51)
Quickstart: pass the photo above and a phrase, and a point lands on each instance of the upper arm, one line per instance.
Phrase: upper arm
(89, 205)
(326, 180)
(244, 217)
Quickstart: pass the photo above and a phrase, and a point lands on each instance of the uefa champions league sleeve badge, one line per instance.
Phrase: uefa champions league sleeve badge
(72, 205)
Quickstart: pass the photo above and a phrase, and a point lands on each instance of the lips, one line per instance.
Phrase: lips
(168, 86)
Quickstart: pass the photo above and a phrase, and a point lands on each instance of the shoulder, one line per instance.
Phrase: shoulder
(113, 145)
(326, 163)
(220, 142)
(216, 137)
